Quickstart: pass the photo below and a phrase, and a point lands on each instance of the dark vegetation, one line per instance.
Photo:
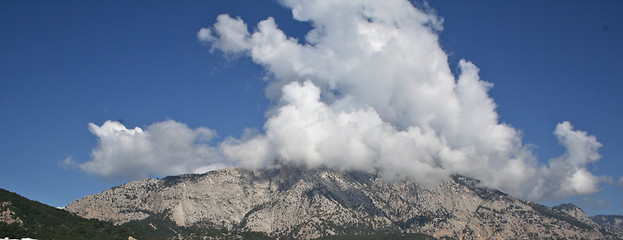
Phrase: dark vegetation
(174, 180)
(558, 215)
(484, 193)
(381, 236)
(159, 226)
(41, 221)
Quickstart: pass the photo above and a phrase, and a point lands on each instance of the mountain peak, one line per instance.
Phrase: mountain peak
(567, 206)
(577, 213)
(311, 203)
(612, 223)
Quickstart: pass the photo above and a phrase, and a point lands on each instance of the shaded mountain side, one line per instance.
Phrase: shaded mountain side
(21, 218)
(577, 213)
(302, 203)
(612, 223)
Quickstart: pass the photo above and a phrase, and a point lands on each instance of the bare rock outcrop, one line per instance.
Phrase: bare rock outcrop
(8, 216)
(612, 223)
(307, 204)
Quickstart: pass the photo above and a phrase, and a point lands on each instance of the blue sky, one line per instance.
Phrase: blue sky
(67, 64)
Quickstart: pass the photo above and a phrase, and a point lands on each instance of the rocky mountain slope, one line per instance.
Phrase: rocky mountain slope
(577, 213)
(308, 204)
(612, 223)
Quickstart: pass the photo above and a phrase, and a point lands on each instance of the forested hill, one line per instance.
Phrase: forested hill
(24, 218)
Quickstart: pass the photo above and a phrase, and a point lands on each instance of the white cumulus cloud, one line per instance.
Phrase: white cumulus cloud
(368, 87)
(372, 87)
(164, 148)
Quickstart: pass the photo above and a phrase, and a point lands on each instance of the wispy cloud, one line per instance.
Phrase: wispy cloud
(68, 163)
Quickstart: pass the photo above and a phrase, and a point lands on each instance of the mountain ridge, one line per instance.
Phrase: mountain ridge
(613, 223)
(313, 203)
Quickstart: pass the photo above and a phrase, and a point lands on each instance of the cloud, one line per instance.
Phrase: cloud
(164, 148)
(369, 87)
(68, 163)
(569, 173)
(233, 32)
(308, 132)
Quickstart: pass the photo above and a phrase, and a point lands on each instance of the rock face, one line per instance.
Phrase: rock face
(577, 213)
(308, 204)
(8, 216)
(612, 223)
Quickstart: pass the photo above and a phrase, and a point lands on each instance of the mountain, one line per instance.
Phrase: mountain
(577, 213)
(612, 223)
(22, 218)
(306, 204)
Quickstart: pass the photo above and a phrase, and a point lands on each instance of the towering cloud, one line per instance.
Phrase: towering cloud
(370, 87)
